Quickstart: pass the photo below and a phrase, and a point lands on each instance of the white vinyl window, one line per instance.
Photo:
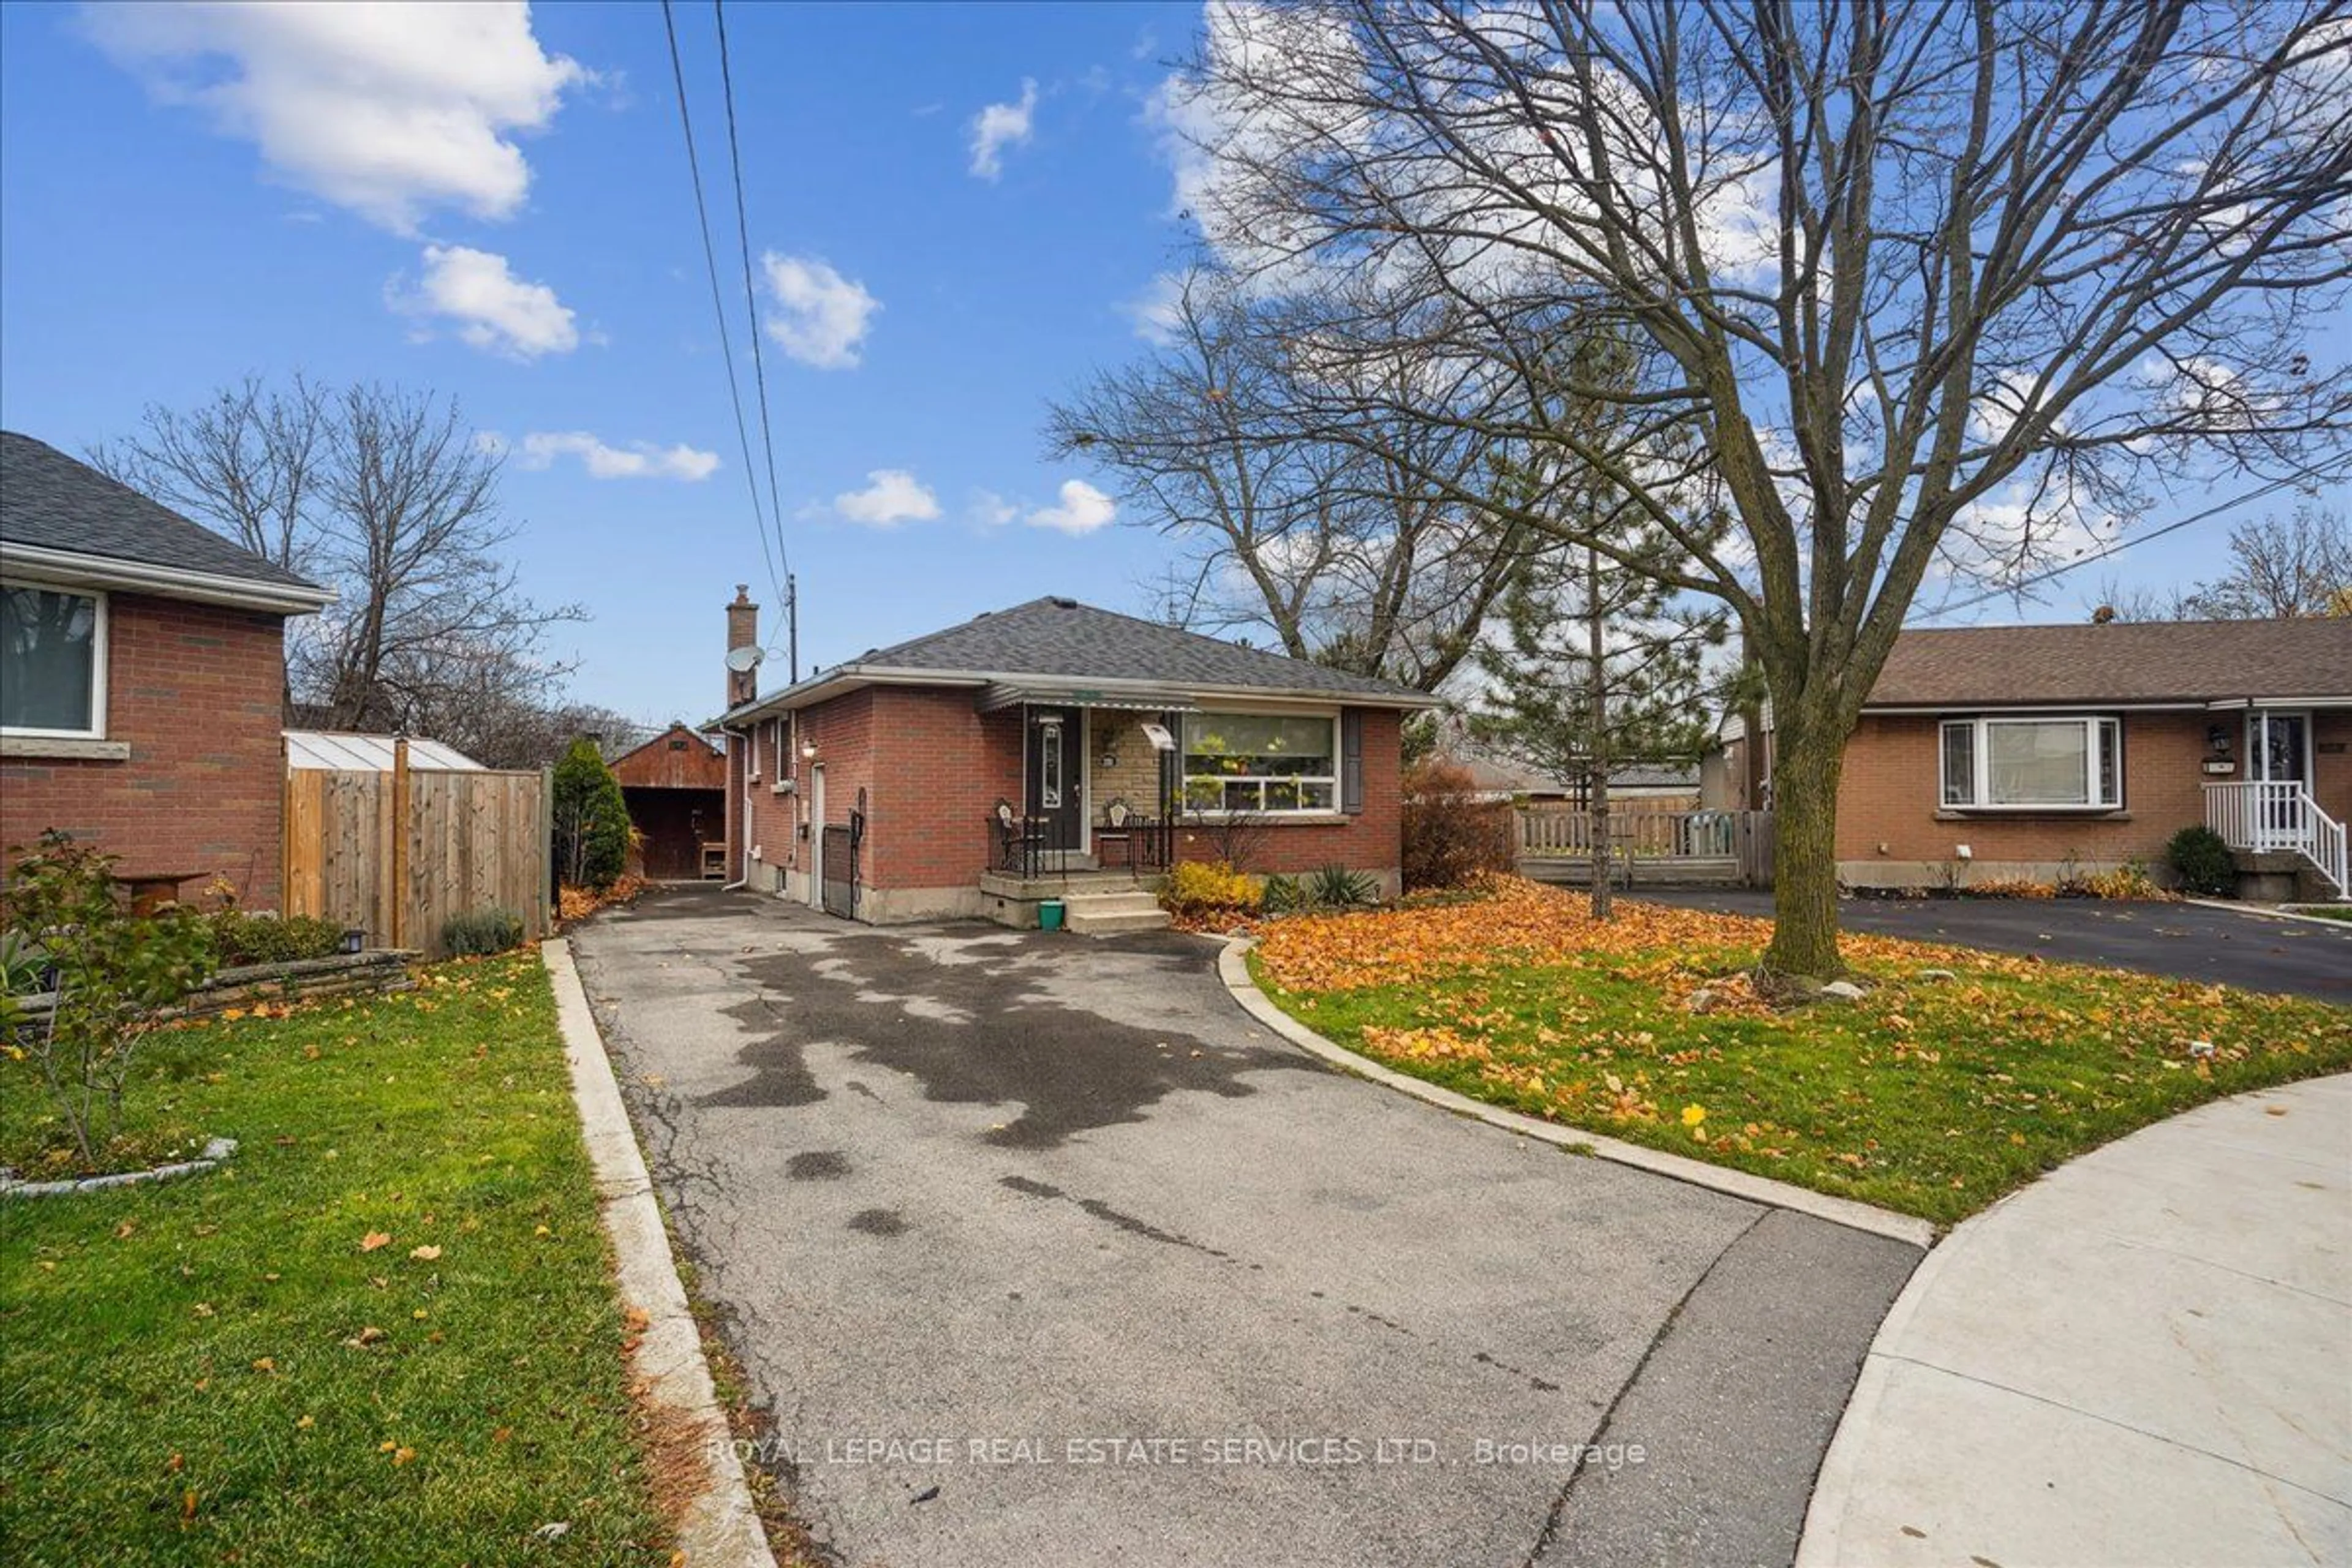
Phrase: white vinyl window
(52, 661)
(1270, 762)
(2042, 762)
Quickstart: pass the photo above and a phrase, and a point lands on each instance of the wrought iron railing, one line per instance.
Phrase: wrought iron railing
(1022, 847)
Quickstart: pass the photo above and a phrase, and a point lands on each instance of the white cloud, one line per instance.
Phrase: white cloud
(990, 509)
(637, 460)
(388, 109)
(494, 309)
(892, 496)
(821, 316)
(1002, 125)
(1083, 510)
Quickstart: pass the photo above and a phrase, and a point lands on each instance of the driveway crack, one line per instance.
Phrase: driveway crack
(1550, 1530)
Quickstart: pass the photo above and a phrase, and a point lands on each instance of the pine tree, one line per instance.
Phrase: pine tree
(1598, 667)
(592, 819)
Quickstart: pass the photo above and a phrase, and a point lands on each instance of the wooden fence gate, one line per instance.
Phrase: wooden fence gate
(398, 854)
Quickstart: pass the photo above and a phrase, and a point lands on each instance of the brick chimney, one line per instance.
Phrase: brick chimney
(742, 631)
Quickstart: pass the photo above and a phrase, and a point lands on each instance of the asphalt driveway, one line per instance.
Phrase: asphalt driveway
(2190, 941)
(1039, 1250)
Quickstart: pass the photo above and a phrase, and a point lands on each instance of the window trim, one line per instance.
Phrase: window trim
(100, 636)
(1184, 778)
(2095, 727)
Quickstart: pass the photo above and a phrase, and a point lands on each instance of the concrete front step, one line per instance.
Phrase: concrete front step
(1097, 922)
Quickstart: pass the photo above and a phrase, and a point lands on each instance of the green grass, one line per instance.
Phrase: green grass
(2326, 911)
(1931, 1097)
(179, 1380)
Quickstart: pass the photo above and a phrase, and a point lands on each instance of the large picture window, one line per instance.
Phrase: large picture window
(52, 661)
(1271, 762)
(2054, 763)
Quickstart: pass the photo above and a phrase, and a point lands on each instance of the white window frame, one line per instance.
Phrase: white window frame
(1185, 778)
(2096, 728)
(98, 649)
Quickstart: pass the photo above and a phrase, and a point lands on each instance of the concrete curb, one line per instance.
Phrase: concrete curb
(721, 1526)
(2260, 913)
(1235, 972)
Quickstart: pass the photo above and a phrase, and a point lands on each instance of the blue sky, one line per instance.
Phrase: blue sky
(495, 205)
(157, 246)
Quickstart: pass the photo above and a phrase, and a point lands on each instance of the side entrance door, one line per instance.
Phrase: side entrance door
(1055, 757)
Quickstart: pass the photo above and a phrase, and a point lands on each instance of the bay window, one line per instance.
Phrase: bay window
(52, 661)
(2053, 761)
(1269, 762)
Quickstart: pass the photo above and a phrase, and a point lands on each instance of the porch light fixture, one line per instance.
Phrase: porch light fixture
(808, 751)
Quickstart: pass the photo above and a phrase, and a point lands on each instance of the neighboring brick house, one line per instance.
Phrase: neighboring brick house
(2003, 752)
(143, 679)
(1051, 748)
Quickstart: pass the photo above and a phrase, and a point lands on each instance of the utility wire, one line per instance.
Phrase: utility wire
(751, 301)
(718, 304)
(2117, 548)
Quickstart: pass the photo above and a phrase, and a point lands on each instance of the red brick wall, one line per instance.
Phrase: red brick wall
(944, 767)
(197, 691)
(1889, 796)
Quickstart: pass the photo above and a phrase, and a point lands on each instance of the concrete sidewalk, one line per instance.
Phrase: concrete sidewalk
(2144, 1358)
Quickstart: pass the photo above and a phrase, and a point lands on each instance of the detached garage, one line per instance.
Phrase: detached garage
(676, 786)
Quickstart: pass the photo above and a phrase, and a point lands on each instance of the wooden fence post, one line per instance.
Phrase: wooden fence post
(548, 903)
(399, 829)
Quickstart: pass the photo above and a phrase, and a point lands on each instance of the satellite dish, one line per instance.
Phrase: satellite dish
(743, 660)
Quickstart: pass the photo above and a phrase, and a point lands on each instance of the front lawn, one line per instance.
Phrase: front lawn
(384, 1332)
(1934, 1094)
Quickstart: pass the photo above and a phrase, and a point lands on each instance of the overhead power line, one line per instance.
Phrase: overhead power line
(2118, 547)
(750, 300)
(718, 307)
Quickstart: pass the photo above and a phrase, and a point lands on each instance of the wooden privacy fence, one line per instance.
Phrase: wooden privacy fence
(1658, 846)
(398, 854)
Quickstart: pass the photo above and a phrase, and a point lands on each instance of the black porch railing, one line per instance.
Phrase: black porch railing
(1139, 846)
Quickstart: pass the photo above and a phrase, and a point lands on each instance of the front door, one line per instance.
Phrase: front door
(2278, 752)
(1056, 764)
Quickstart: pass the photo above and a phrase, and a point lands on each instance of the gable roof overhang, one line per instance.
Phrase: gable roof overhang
(77, 568)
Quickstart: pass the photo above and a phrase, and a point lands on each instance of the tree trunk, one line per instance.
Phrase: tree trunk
(1805, 767)
(1597, 688)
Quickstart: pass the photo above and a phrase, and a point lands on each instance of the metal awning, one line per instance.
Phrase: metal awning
(1003, 695)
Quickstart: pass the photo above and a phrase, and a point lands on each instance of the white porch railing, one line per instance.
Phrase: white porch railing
(2275, 816)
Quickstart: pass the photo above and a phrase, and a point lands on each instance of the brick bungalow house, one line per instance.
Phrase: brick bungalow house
(142, 679)
(1053, 751)
(2021, 751)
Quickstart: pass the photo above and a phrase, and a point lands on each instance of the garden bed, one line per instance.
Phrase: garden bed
(1956, 1077)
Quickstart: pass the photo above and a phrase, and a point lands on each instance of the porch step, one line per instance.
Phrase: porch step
(1105, 913)
(1096, 923)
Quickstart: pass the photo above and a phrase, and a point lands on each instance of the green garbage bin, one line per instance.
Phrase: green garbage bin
(1049, 915)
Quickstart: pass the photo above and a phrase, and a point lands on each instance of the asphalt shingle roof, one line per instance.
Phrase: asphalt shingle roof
(49, 499)
(2125, 661)
(1063, 639)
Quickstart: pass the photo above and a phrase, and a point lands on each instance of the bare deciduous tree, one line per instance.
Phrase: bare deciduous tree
(1360, 555)
(1930, 286)
(2281, 569)
(390, 497)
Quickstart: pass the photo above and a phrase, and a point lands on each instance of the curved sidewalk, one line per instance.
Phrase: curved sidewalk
(2144, 1358)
